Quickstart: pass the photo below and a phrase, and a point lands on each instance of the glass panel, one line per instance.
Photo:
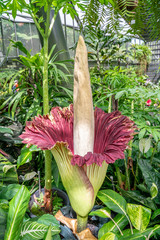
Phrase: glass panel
(24, 35)
(70, 39)
(36, 46)
(9, 34)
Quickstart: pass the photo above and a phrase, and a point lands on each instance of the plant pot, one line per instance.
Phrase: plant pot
(59, 193)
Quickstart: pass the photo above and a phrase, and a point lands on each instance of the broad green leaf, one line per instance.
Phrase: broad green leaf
(113, 201)
(48, 235)
(139, 216)
(6, 168)
(8, 192)
(4, 204)
(120, 221)
(15, 6)
(109, 236)
(143, 188)
(155, 135)
(34, 230)
(21, 47)
(142, 133)
(8, 173)
(136, 196)
(29, 176)
(142, 235)
(103, 213)
(48, 219)
(5, 130)
(34, 148)
(56, 237)
(144, 144)
(16, 99)
(3, 221)
(17, 209)
(3, 216)
(151, 175)
(112, 2)
(101, 1)
(120, 94)
(155, 214)
(154, 190)
(26, 156)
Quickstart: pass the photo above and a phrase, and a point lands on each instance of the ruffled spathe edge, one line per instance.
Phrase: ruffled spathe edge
(113, 131)
(45, 131)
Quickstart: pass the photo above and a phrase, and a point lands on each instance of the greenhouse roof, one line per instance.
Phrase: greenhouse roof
(26, 18)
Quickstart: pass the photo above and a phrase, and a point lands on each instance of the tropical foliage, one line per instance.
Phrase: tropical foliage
(129, 198)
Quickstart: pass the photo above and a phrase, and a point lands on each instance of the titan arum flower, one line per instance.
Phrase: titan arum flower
(83, 141)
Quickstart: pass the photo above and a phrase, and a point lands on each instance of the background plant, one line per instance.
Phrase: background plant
(131, 221)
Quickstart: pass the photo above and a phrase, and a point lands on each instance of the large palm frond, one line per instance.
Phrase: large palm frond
(142, 15)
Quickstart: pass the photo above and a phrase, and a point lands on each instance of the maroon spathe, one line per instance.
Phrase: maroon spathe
(113, 131)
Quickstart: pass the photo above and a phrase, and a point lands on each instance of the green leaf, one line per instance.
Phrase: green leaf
(17, 209)
(142, 133)
(9, 191)
(137, 196)
(21, 47)
(155, 214)
(3, 221)
(26, 156)
(103, 213)
(150, 175)
(29, 176)
(113, 201)
(6, 168)
(34, 148)
(120, 221)
(142, 235)
(48, 235)
(154, 190)
(34, 230)
(155, 135)
(144, 144)
(101, 1)
(139, 216)
(5, 130)
(109, 236)
(48, 219)
(4, 204)
(120, 94)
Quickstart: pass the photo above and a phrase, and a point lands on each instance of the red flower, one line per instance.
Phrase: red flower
(113, 131)
(148, 103)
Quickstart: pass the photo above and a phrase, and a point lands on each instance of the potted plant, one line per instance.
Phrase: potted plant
(36, 204)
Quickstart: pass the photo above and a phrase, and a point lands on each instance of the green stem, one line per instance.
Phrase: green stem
(36, 23)
(45, 78)
(48, 172)
(118, 176)
(81, 223)
(132, 107)
(52, 23)
(129, 155)
(136, 171)
(127, 186)
(47, 153)
(110, 104)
